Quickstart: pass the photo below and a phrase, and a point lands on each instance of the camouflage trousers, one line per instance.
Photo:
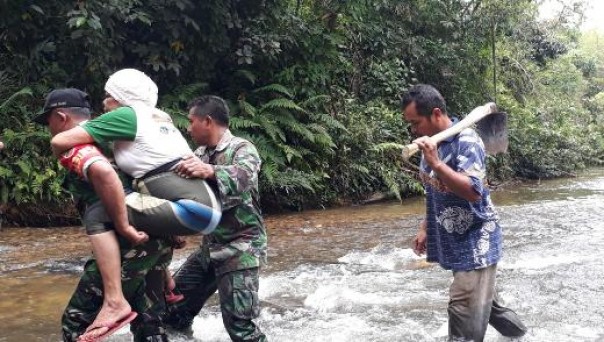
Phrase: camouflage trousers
(143, 268)
(197, 280)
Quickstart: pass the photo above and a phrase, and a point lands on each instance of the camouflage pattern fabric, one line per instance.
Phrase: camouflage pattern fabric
(198, 279)
(230, 257)
(143, 268)
(239, 241)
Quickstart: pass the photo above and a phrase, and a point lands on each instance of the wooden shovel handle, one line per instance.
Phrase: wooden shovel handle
(475, 115)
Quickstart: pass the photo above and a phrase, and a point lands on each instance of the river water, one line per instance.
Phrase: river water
(349, 275)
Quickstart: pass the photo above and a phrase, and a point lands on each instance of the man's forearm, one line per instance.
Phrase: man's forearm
(458, 183)
(108, 187)
(69, 139)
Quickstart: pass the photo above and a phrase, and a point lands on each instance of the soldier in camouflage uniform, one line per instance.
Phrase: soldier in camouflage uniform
(228, 259)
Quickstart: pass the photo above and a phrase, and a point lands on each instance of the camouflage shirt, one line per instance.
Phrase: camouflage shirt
(239, 241)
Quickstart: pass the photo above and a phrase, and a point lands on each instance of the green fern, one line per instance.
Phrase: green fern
(359, 168)
(246, 108)
(179, 118)
(391, 183)
(315, 101)
(269, 170)
(290, 152)
(246, 75)
(237, 122)
(329, 121)
(294, 126)
(282, 103)
(183, 94)
(275, 88)
(7, 102)
(290, 181)
(270, 127)
(290, 137)
(267, 149)
(322, 137)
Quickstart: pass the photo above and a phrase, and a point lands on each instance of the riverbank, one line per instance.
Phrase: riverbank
(65, 215)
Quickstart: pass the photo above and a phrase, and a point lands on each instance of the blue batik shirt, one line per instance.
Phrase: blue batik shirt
(461, 235)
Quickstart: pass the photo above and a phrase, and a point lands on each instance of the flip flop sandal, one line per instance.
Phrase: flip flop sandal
(172, 298)
(113, 327)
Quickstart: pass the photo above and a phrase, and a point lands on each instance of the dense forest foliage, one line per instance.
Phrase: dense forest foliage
(315, 84)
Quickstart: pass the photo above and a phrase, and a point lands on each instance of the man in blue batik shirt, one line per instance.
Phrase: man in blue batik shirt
(460, 230)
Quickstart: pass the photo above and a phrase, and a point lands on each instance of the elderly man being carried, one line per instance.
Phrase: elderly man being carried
(147, 147)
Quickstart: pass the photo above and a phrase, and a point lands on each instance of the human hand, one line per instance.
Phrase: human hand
(429, 149)
(419, 242)
(136, 237)
(193, 167)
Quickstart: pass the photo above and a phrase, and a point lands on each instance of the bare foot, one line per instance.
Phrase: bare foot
(171, 297)
(170, 284)
(134, 236)
(109, 314)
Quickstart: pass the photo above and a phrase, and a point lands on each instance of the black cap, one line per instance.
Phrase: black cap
(62, 98)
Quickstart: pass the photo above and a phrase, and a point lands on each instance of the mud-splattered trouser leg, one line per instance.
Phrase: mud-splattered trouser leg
(473, 305)
(143, 285)
(238, 290)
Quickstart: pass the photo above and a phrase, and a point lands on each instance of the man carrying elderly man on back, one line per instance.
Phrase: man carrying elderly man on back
(186, 209)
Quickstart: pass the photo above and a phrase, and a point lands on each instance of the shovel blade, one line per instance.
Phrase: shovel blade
(493, 129)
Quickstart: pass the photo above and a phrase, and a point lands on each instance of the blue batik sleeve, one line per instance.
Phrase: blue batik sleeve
(470, 159)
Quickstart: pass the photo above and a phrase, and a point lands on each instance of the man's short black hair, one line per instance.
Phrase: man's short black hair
(213, 106)
(426, 98)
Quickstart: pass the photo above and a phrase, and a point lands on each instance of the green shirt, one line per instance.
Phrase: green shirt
(143, 138)
(119, 124)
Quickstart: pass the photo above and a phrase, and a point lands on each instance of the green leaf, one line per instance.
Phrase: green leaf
(80, 21)
(330, 121)
(237, 122)
(247, 108)
(247, 75)
(25, 168)
(37, 9)
(23, 92)
(281, 104)
(275, 88)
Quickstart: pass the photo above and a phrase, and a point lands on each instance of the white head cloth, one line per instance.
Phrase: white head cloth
(133, 88)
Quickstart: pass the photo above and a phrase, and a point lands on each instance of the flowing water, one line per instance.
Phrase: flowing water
(349, 275)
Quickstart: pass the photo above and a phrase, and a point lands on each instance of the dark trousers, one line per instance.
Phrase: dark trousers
(473, 305)
(197, 280)
(143, 268)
